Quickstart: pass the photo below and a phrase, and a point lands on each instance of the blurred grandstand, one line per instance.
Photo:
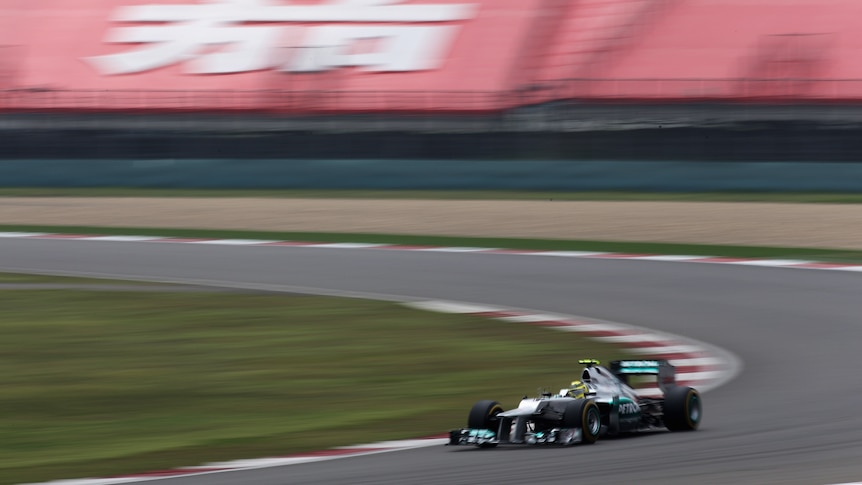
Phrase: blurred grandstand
(680, 78)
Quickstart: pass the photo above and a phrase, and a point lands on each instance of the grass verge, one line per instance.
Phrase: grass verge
(99, 383)
(812, 254)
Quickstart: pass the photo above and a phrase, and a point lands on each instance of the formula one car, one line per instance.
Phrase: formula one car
(603, 402)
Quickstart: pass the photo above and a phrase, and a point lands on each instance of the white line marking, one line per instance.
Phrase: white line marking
(401, 444)
(697, 361)
(22, 234)
(100, 481)
(593, 327)
(570, 254)
(256, 462)
(121, 238)
(707, 375)
(623, 339)
(773, 262)
(234, 242)
(347, 245)
(451, 307)
(537, 318)
(668, 349)
(457, 250)
(671, 257)
(847, 268)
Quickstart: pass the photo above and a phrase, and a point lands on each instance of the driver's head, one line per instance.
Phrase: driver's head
(577, 389)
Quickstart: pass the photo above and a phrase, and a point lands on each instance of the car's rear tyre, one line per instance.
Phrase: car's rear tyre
(584, 414)
(682, 409)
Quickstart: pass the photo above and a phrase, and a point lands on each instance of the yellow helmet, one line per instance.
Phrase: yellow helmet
(577, 389)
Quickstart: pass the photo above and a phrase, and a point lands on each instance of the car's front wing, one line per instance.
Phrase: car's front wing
(486, 437)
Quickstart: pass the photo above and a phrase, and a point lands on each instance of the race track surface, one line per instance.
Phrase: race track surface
(791, 416)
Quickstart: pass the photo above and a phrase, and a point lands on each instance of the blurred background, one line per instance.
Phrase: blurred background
(607, 94)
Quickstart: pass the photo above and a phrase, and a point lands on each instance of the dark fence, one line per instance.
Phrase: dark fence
(759, 142)
(550, 147)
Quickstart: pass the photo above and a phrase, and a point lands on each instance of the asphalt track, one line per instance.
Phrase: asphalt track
(792, 415)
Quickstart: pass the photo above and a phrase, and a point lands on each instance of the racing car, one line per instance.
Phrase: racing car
(602, 402)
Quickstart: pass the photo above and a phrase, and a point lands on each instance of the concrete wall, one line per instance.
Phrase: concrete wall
(436, 174)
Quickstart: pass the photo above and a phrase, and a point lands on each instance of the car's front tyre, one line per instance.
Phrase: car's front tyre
(483, 415)
(584, 414)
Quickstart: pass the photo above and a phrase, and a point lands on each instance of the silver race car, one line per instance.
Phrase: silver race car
(602, 402)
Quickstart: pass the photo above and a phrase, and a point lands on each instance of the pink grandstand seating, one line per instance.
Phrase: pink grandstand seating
(453, 55)
(591, 31)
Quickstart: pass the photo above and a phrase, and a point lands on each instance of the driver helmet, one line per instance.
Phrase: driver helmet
(577, 389)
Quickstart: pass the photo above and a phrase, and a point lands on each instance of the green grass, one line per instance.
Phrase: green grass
(813, 254)
(98, 383)
(731, 196)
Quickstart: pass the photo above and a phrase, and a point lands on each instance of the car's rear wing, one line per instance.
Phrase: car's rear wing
(664, 372)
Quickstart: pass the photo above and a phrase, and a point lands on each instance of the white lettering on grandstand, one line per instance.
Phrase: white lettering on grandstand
(190, 33)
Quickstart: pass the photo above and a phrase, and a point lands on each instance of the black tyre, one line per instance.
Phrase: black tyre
(584, 414)
(682, 409)
(484, 415)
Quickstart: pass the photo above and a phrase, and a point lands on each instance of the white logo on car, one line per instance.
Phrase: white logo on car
(232, 36)
(629, 408)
